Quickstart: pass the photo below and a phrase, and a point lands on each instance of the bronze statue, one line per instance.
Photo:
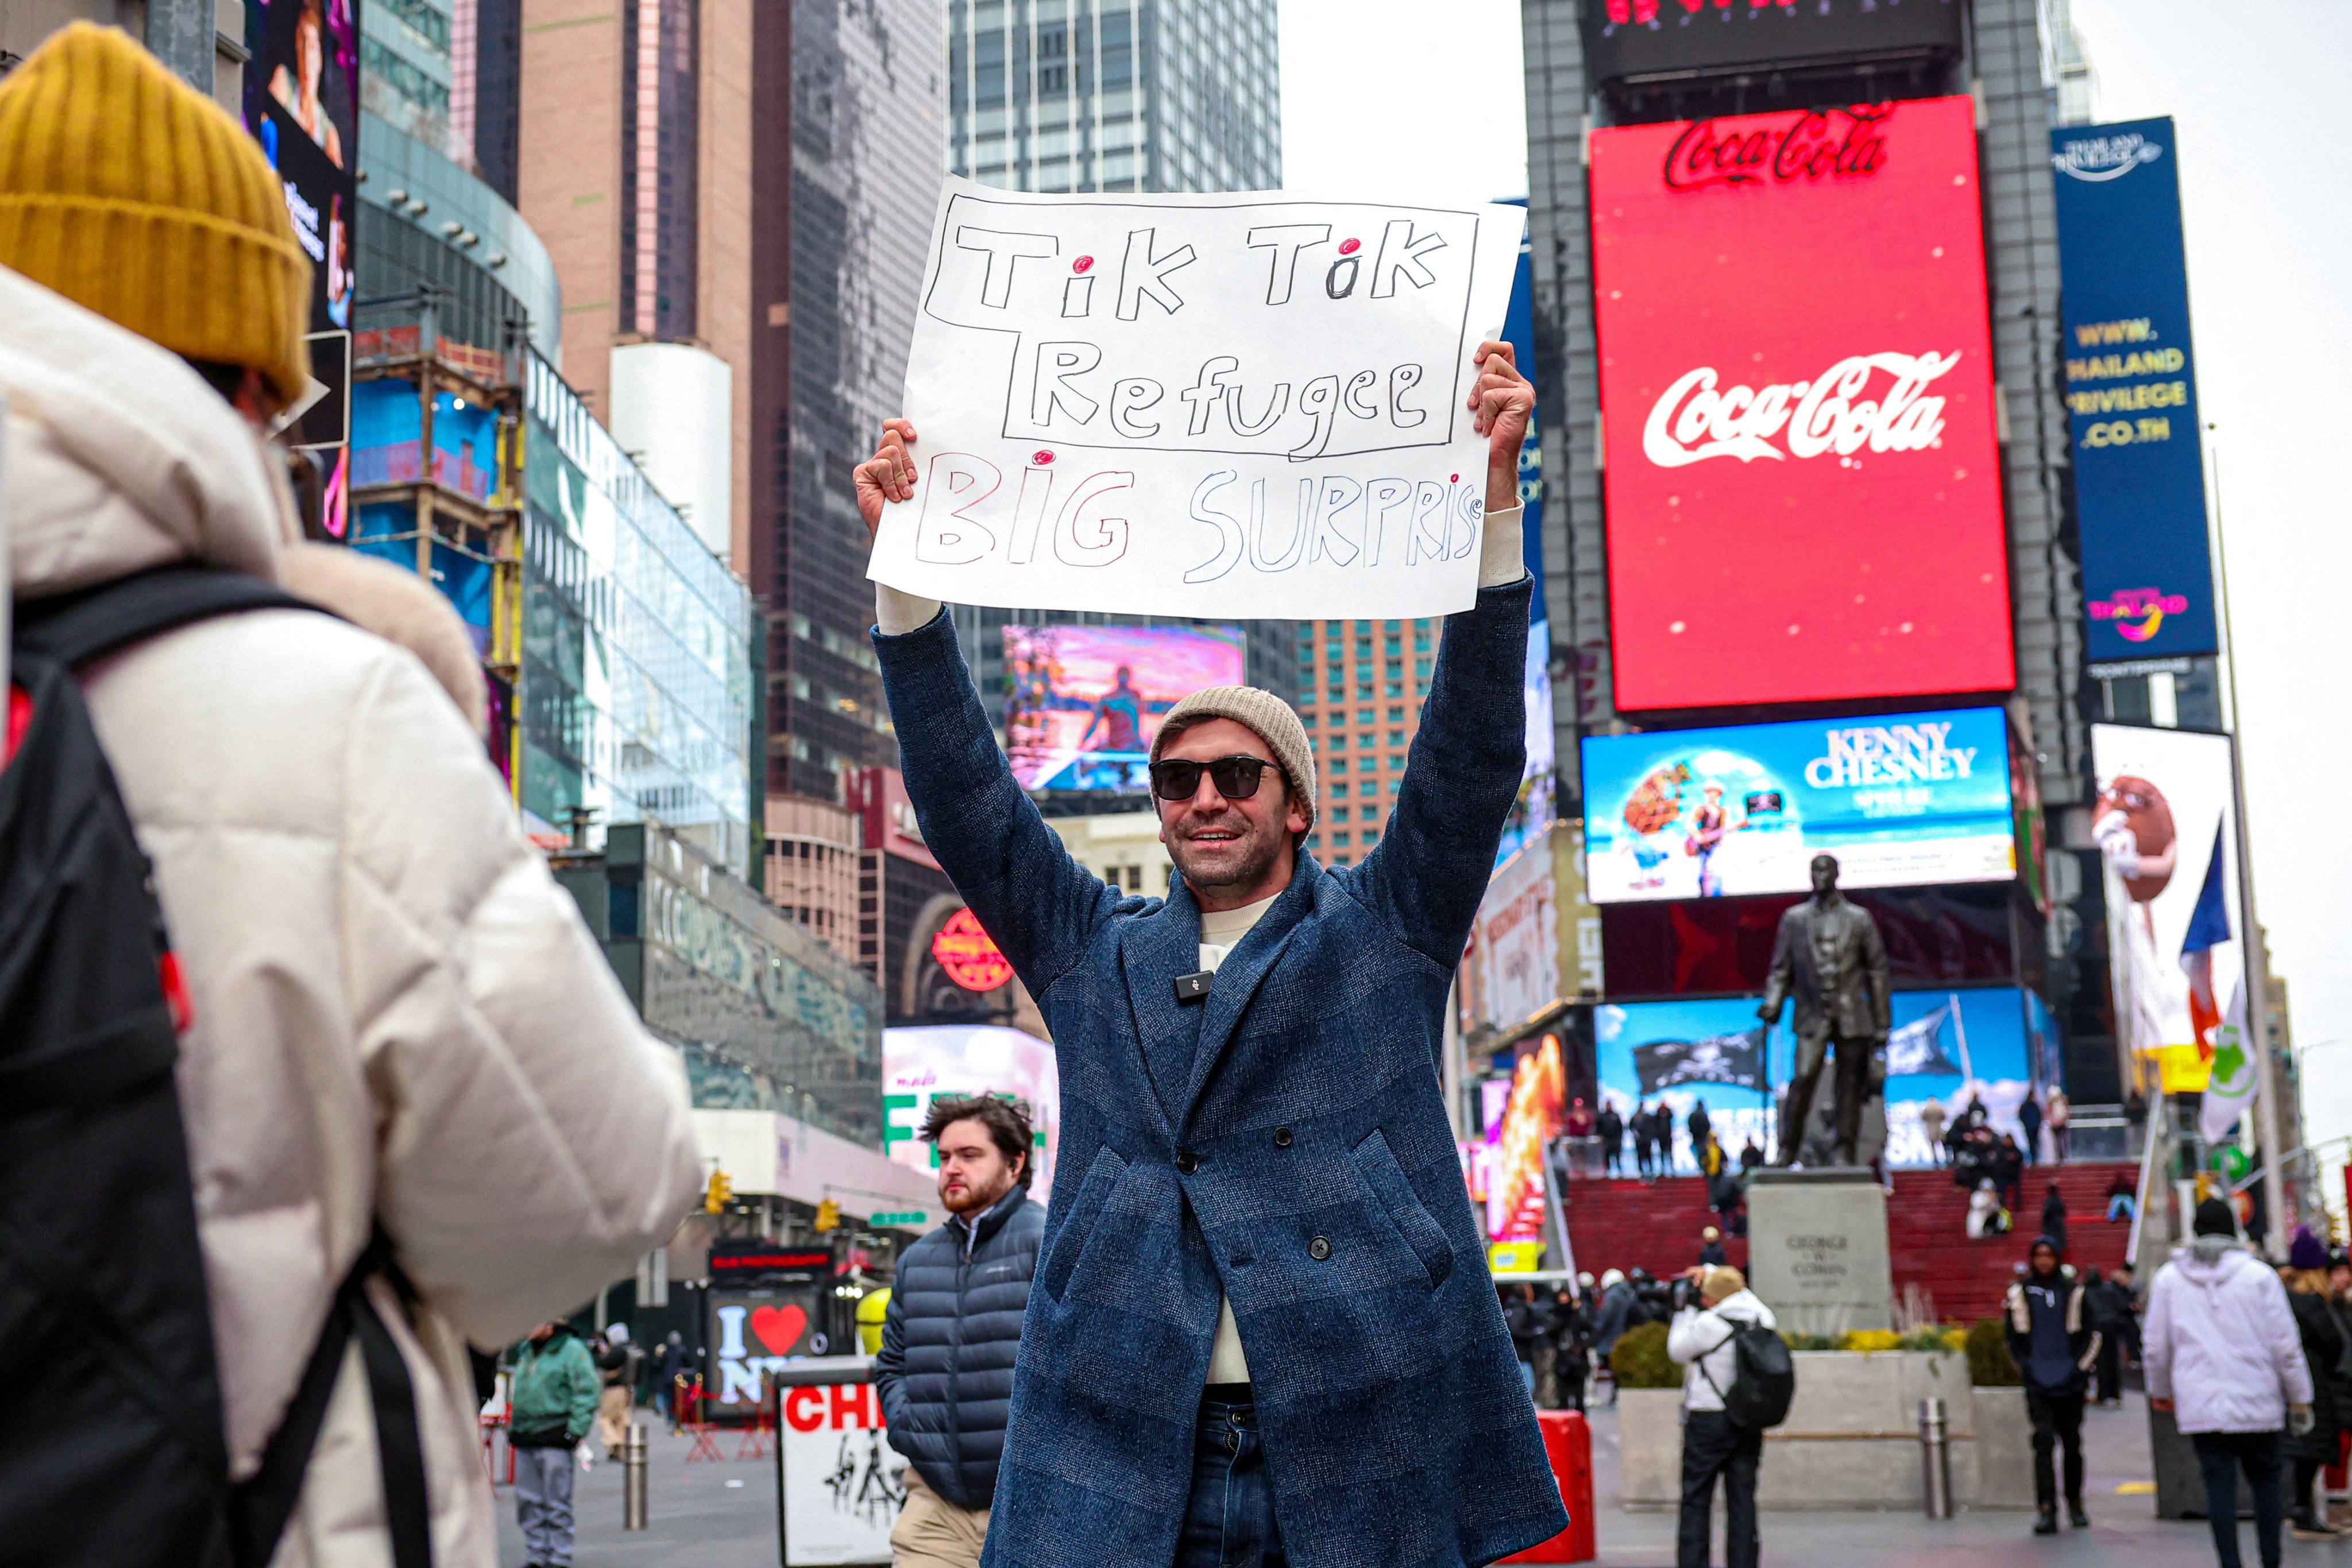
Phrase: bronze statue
(1829, 956)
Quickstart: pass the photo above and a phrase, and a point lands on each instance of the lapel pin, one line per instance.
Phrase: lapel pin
(1193, 987)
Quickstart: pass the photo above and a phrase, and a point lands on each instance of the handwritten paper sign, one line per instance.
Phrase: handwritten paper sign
(1211, 405)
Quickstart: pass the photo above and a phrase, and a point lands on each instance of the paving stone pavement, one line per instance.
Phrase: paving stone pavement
(724, 1515)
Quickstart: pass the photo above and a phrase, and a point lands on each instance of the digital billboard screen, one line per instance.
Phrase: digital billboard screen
(1638, 39)
(1992, 1044)
(1901, 800)
(1083, 703)
(2165, 824)
(2131, 392)
(1800, 464)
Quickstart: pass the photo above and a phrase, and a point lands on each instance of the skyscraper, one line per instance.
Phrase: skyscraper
(1114, 95)
(736, 197)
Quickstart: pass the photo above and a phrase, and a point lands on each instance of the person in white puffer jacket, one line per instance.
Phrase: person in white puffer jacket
(398, 1019)
(2224, 1359)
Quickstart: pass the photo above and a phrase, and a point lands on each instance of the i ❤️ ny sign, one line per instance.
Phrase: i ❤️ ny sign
(1210, 406)
(753, 1333)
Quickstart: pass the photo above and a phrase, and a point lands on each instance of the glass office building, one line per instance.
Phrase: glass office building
(1115, 95)
(637, 644)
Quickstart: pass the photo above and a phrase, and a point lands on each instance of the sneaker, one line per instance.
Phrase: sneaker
(2048, 1524)
(2076, 1516)
(2312, 1529)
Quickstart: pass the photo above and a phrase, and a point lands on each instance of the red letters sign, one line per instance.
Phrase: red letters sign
(834, 1407)
(969, 954)
(1801, 472)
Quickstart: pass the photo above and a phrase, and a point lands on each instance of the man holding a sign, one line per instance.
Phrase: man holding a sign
(1262, 1328)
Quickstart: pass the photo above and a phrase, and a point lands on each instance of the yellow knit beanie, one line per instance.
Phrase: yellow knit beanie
(128, 192)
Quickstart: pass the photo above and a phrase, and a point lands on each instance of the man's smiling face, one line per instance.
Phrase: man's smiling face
(1230, 844)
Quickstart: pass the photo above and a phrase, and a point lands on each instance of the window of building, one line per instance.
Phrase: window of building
(1054, 60)
(988, 70)
(1338, 790)
(1339, 813)
(1118, 54)
(1396, 737)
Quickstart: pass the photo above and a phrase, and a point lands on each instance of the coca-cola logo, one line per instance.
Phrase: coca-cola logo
(1694, 420)
(1813, 144)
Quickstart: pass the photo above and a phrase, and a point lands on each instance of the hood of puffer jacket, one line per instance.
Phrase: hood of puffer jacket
(2212, 1260)
(119, 457)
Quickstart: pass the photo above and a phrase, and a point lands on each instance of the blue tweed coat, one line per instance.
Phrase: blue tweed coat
(1285, 1142)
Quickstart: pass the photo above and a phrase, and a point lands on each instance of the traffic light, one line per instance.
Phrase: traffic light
(828, 1215)
(720, 1193)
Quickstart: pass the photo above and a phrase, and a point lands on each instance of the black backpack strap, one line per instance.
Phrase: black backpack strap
(261, 1505)
(74, 628)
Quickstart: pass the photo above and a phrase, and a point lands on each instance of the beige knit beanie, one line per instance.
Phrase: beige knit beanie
(1274, 720)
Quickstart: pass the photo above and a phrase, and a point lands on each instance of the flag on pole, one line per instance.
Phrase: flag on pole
(2220, 1023)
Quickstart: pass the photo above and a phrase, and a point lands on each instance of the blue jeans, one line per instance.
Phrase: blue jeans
(1229, 1522)
(543, 1479)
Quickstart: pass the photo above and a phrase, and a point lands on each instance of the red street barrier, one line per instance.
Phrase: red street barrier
(1568, 1443)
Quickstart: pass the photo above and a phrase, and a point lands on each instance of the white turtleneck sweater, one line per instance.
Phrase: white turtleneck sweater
(1501, 560)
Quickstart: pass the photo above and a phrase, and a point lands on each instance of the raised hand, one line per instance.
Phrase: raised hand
(888, 475)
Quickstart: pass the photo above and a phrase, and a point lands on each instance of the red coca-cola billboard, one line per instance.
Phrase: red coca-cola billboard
(1801, 472)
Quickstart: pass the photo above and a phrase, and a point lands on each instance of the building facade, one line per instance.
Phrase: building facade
(736, 197)
(1101, 95)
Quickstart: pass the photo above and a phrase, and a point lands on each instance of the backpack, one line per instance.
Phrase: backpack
(1763, 1377)
(112, 1448)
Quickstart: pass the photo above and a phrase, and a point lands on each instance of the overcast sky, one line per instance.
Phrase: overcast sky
(1426, 100)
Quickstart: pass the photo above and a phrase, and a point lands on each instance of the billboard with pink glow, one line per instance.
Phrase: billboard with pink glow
(1082, 703)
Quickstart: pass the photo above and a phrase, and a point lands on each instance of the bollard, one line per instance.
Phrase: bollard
(1936, 1459)
(633, 1478)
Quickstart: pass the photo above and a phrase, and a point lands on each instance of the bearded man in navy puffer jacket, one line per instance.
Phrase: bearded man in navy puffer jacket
(945, 1373)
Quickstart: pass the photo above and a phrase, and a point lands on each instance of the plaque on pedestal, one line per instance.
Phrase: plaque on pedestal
(1817, 1248)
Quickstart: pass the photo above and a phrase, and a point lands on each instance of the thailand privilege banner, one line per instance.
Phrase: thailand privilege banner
(2131, 391)
(1900, 799)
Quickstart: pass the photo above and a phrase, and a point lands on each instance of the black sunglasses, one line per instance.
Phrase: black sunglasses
(1236, 778)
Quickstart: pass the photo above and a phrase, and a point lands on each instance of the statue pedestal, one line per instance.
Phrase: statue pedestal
(1817, 1248)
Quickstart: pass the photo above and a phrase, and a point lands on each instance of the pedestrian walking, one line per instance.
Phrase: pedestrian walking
(1579, 1122)
(2009, 1172)
(1612, 1319)
(1661, 1129)
(616, 1368)
(1644, 1142)
(2225, 1359)
(675, 1366)
(2324, 1349)
(552, 1407)
(1524, 1326)
(1704, 1340)
(1611, 1127)
(1571, 1355)
(2028, 1121)
(1701, 1127)
(2059, 1116)
(1200, 1278)
(1931, 1123)
(2054, 1217)
(2108, 1307)
(1751, 1156)
(952, 1329)
(1710, 1249)
(399, 1054)
(2055, 1341)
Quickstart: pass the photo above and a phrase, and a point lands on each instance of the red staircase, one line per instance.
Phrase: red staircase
(1616, 1224)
